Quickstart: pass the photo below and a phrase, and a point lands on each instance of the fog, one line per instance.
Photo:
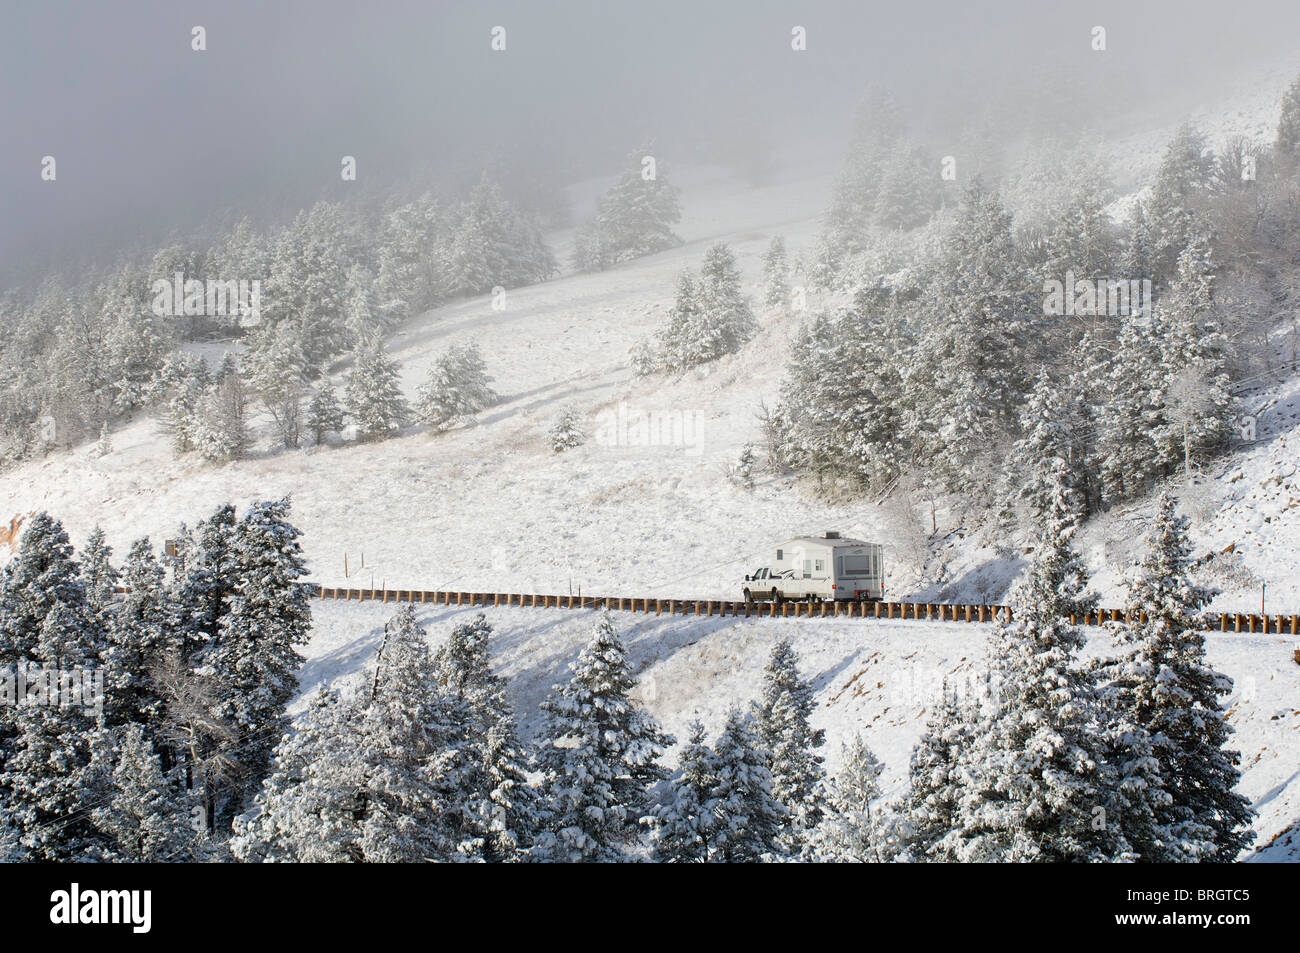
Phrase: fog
(151, 137)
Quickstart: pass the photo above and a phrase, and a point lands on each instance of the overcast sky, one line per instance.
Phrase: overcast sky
(150, 135)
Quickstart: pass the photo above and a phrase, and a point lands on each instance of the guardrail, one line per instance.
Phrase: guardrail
(931, 611)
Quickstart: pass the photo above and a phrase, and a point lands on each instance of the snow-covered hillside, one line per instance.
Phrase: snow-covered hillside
(492, 507)
(873, 677)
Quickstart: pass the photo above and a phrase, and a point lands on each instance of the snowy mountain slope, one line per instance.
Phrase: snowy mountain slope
(877, 678)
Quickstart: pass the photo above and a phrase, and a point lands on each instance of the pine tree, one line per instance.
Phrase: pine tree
(850, 831)
(254, 656)
(599, 758)
(142, 634)
(748, 815)
(221, 428)
(492, 244)
(711, 317)
(324, 413)
(311, 807)
(684, 821)
(41, 575)
(1288, 125)
(47, 780)
(277, 365)
(457, 386)
(633, 219)
(1199, 408)
(203, 582)
(776, 276)
(182, 383)
(978, 339)
(418, 760)
(567, 432)
(374, 396)
(1034, 788)
(1050, 440)
(504, 809)
(97, 570)
(105, 444)
(1172, 692)
(784, 730)
(742, 474)
(147, 819)
(934, 789)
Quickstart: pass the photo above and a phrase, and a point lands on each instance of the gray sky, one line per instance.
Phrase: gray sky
(150, 136)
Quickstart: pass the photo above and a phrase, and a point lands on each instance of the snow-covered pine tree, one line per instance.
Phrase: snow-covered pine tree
(202, 581)
(599, 756)
(908, 190)
(742, 474)
(374, 395)
(182, 384)
(492, 244)
(104, 446)
(567, 432)
(930, 806)
(42, 574)
(362, 317)
(850, 829)
(458, 386)
(1127, 456)
(254, 656)
(783, 725)
(748, 817)
(978, 341)
(776, 276)
(725, 321)
(221, 427)
(311, 806)
(1287, 144)
(97, 570)
(1199, 407)
(47, 780)
(1034, 789)
(1174, 694)
(146, 815)
(418, 760)
(277, 365)
(711, 316)
(1169, 213)
(504, 808)
(684, 820)
(634, 218)
(304, 294)
(1050, 436)
(142, 634)
(136, 354)
(324, 413)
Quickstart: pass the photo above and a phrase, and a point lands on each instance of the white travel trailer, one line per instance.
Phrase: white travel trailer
(820, 567)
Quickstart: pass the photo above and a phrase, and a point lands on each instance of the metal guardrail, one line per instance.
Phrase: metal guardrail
(931, 611)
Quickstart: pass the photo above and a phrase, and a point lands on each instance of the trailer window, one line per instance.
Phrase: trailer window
(821, 566)
(780, 557)
(858, 566)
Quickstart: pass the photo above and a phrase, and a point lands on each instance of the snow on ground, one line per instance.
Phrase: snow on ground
(490, 507)
(873, 677)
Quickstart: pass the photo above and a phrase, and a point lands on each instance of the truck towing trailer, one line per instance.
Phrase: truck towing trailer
(826, 567)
